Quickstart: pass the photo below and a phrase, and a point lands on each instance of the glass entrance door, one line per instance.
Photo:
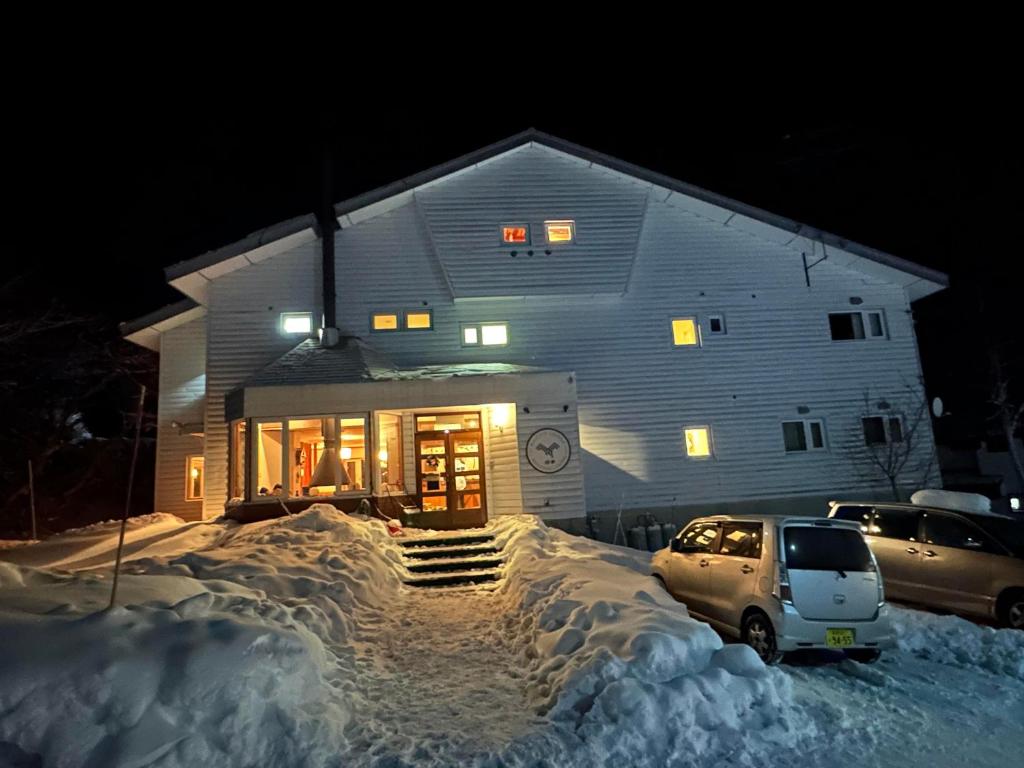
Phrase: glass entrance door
(450, 478)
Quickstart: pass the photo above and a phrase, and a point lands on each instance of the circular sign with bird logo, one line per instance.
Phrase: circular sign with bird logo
(547, 450)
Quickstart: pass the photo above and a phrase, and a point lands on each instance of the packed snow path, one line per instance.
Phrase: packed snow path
(441, 678)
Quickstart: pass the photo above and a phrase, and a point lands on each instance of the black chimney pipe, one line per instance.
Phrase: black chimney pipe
(328, 224)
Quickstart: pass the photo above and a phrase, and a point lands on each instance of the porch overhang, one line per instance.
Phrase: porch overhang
(431, 387)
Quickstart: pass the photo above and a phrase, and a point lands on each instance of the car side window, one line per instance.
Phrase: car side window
(700, 535)
(894, 523)
(741, 540)
(943, 531)
(856, 513)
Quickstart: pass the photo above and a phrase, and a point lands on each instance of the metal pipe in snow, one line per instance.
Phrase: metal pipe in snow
(128, 499)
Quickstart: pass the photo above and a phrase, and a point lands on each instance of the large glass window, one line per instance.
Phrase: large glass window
(945, 531)
(440, 422)
(268, 458)
(238, 460)
(894, 523)
(389, 452)
(803, 435)
(741, 540)
(813, 548)
(700, 535)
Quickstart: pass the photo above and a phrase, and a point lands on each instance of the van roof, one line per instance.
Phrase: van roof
(777, 519)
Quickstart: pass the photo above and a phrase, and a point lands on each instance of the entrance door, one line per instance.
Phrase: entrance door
(450, 478)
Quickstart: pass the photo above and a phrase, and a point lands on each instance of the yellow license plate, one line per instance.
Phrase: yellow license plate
(839, 638)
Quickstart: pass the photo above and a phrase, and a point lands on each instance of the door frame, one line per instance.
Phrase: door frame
(456, 517)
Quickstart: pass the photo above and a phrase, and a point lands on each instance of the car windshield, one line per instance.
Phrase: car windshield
(1009, 532)
(820, 548)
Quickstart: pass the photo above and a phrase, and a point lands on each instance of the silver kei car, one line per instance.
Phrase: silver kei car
(780, 583)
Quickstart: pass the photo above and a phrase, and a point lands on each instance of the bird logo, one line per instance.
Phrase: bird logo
(549, 451)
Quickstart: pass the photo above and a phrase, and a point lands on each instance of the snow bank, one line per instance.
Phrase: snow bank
(957, 642)
(232, 655)
(618, 667)
(963, 502)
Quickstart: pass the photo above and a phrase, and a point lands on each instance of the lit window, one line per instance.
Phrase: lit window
(384, 321)
(1015, 503)
(494, 334)
(803, 435)
(684, 332)
(486, 334)
(419, 321)
(515, 234)
(849, 326)
(560, 231)
(296, 322)
(698, 442)
(716, 324)
(194, 479)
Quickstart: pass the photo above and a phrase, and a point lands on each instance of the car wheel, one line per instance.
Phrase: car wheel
(1011, 609)
(864, 655)
(759, 634)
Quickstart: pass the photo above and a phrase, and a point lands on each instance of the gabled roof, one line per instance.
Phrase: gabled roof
(146, 330)
(191, 275)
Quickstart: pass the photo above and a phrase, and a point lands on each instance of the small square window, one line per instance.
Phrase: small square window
(470, 335)
(195, 469)
(684, 332)
(384, 321)
(698, 442)
(297, 322)
(716, 324)
(494, 334)
(515, 234)
(419, 321)
(559, 231)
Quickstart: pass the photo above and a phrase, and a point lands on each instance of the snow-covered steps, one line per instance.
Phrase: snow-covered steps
(452, 560)
(437, 553)
(455, 579)
(447, 541)
(455, 564)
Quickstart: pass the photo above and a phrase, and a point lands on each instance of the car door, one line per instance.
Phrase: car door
(894, 537)
(734, 571)
(956, 563)
(690, 572)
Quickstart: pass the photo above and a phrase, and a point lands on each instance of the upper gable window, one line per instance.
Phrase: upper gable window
(685, 332)
(297, 322)
(419, 321)
(556, 232)
(515, 234)
(848, 326)
(384, 321)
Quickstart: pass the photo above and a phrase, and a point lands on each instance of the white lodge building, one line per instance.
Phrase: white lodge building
(532, 327)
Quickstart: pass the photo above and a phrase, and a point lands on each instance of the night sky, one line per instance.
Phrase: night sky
(140, 191)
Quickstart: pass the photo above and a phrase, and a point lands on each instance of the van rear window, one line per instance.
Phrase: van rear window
(817, 548)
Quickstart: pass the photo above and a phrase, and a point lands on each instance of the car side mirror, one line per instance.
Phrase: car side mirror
(676, 545)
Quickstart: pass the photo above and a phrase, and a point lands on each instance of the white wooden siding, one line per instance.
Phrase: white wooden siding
(244, 335)
(636, 392)
(181, 395)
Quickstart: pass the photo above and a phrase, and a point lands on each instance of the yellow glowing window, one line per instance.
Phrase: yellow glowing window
(698, 442)
(470, 335)
(385, 322)
(417, 321)
(684, 332)
(194, 478)
(560, 231)
(515, 234)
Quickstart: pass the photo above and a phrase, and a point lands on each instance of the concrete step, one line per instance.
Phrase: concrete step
(446, 541)
(455, 565)
(432, 553)
(455, 579)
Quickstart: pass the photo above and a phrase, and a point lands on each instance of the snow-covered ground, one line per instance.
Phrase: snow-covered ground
(294, 642)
